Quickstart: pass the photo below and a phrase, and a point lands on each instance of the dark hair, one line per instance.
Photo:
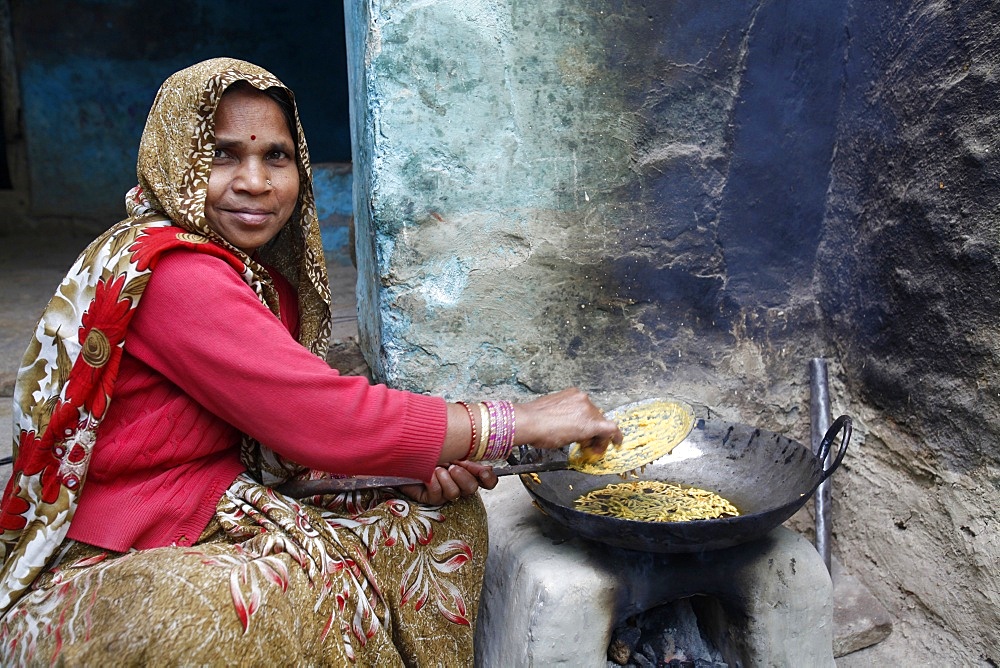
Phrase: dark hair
(284, 100)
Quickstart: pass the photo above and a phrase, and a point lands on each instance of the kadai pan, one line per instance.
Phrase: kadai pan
(767, 476)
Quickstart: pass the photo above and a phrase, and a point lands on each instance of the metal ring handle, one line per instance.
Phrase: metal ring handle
(845, 424)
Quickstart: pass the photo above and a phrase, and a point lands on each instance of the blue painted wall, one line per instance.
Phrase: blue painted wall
(332, 185)
(88, 72)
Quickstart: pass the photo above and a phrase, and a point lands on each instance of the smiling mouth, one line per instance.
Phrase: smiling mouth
(250, 217)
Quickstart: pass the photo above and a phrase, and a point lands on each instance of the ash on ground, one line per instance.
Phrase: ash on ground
(668, 635)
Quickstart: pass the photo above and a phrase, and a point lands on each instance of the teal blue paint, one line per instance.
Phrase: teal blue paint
(334, 238)
(336, 244)
(88, 73)
(83, 120)
(332, 185)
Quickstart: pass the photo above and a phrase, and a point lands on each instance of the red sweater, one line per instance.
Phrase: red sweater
(204, 361)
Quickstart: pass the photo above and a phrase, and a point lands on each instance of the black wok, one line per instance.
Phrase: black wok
(765, 475)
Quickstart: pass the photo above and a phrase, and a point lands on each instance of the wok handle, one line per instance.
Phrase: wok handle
(843, 423)
(538, 467)
(298, 489)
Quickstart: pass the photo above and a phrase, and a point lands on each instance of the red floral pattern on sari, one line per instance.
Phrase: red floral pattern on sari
(79, 374)
(42, 461)
(36, 456)
(153, 241)
(102, 332)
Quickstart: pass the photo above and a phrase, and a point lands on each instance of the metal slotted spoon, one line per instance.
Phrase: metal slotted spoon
(650, 429)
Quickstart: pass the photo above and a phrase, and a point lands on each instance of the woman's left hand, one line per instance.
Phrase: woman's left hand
(452, 482)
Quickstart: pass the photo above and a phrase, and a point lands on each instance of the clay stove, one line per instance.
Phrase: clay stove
(550, 598)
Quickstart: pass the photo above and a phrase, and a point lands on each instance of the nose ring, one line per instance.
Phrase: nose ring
(269, 182)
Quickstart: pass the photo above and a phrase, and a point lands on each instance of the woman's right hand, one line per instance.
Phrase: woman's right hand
(557, 419)
(548, 422)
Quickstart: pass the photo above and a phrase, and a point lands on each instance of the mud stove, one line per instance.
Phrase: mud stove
(552, 598)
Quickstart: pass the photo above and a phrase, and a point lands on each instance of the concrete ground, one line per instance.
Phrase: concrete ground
(31, 267)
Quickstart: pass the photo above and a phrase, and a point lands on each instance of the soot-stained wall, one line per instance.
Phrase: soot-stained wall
(908, 280)
(695, 199)
(88, 72)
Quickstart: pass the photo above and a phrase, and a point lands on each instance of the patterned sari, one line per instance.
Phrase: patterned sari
(370, 578)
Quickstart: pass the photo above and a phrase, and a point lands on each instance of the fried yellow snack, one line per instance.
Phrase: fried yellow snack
(650, 429)
(655, 501)
(585, 455)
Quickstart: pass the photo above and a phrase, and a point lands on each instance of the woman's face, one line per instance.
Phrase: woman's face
(254, 183)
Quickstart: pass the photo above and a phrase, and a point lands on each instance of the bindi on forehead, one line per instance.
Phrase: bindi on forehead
(253, 137)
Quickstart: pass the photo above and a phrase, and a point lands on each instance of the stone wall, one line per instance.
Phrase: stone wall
(907, 276)
(566, 193)
(695, 199)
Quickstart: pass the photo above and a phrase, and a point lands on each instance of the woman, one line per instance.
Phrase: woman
(177, 376)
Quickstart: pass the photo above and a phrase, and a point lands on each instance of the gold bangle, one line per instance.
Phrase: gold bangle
(484, 432)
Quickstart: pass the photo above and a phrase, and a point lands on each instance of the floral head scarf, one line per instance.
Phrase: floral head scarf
(67, 377)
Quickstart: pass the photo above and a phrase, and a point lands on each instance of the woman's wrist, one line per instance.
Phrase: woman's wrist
(523, 417)
(484, 431)
(458, 434)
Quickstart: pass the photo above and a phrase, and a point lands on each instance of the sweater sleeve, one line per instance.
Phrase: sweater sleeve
(205, 330)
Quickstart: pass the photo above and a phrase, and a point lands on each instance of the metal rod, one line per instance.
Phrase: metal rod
(819, 413)
(298, 489)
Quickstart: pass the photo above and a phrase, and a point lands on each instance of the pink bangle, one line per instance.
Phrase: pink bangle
(501, 436)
